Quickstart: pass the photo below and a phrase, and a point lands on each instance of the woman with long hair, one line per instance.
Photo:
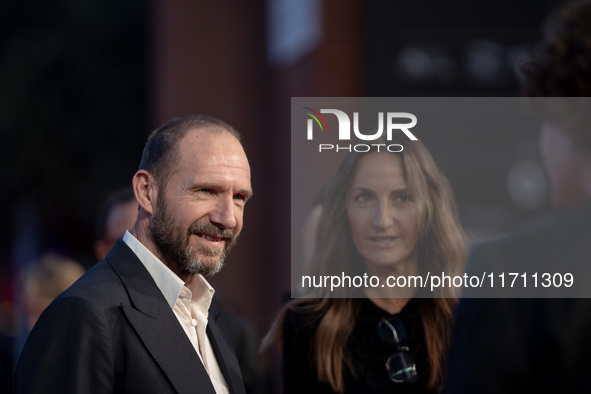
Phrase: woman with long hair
(387, 215)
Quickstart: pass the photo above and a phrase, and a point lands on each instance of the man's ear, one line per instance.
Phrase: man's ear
(145, 190)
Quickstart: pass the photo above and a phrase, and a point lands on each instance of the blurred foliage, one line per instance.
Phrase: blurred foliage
(72, 111)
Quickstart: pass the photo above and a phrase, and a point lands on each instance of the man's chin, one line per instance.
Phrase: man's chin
(205, 267)
(211, 270)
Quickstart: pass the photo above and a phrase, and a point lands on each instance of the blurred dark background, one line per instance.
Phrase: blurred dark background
(82, 83)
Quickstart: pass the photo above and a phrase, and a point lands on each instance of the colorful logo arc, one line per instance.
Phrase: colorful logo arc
(315, 117)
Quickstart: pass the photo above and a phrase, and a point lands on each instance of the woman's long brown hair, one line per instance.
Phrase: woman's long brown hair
(441, 248)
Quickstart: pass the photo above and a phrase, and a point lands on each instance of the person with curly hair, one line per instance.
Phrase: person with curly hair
(540, 345)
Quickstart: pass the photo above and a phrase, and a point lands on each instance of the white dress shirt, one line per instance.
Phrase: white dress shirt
(190, 304)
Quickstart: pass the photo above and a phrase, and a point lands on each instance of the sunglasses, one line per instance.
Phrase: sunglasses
(400, 365)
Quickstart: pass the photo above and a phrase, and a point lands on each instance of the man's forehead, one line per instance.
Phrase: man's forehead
(207, 148)
(209, 140)
(210, 132)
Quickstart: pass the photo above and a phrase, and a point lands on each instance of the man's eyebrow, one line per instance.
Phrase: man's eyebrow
(245, 192)
(198, 186)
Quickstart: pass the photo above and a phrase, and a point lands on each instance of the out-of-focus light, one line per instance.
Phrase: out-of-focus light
(294, 29)
(416, 63)
(526, 184)
(419, 64)
(484, 61)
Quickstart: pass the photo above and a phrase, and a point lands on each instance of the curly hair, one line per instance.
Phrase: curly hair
(561, 67)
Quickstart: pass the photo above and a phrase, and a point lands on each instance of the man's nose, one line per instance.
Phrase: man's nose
(223, 213)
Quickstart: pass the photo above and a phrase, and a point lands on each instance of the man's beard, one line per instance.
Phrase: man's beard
(173, 243)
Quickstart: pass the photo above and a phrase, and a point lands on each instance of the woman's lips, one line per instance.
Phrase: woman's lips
(383, 239)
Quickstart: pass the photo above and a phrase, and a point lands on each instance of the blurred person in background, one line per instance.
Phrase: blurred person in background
(142, 319)
(384, 214)
(540, 345)
(6, 362)
(117, 215)
(8, 328)
(44, 280)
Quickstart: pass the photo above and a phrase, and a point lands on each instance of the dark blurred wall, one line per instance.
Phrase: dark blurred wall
(72, 116)
(209, 57)
(449, 48)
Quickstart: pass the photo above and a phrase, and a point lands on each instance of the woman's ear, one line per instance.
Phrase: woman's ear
(146, 190)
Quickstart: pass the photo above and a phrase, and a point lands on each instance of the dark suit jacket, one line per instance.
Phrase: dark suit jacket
(241, 335)
(523, 345)
(113, 331)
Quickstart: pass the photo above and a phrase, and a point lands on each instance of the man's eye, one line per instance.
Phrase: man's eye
(206, 191)
(241, 197)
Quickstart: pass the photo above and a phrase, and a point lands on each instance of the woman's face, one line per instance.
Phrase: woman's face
(382, 214)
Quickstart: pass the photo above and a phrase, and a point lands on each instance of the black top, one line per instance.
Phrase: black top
(368, 352)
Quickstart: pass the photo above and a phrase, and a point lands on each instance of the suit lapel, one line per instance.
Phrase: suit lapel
(157, 326)
(224, 354)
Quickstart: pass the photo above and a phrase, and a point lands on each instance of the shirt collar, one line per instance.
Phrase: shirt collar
(167, 281)
(201, 293)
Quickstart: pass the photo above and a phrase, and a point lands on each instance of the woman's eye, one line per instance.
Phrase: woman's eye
(402, 198)
(362, 198)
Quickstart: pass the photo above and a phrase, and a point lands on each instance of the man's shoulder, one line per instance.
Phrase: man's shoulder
(303, 316)
(99, 284)
(548, 258)
(103, 282)
(547, 237)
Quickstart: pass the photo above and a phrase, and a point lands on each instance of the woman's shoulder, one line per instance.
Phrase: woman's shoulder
(299, 332)
(300, 325)
(303, 315)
